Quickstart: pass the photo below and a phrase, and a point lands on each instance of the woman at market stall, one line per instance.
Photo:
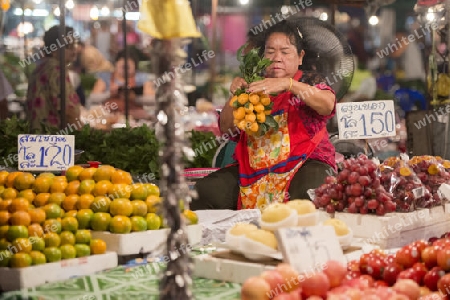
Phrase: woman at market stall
(282, 164)
(44, 86)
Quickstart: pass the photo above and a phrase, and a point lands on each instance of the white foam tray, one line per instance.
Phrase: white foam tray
(144, 241)
(12, 279)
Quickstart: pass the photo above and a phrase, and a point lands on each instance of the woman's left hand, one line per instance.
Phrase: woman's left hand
(270, 85)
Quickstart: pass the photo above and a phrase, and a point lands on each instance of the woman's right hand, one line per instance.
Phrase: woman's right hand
(237, 83)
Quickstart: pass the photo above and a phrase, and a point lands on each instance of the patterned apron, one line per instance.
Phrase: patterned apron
(268, 163)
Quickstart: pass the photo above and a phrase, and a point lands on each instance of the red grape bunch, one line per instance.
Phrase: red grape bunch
(356, 188)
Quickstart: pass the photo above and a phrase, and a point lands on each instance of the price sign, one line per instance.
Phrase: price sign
(307, 249)
(45, 152)
(366, 120)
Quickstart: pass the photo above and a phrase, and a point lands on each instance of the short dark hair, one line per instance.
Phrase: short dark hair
(290, 30)
(52, 36)
(131, 55)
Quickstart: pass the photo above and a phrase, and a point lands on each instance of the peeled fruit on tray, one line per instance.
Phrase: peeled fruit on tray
(242, 228)
(302, 207)
(275, 213)
(264, 237)
(340, 227)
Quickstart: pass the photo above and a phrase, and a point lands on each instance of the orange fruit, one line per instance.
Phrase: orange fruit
(69, 224)
(101, 204)
(68, 251)
(5, 258)
(191, 217)
(21, 245)
(37, 215)
(20, 218)
(232, 100)
(87, 174)
(248, 108)
(121, 206)
(82, 250)
(120, 224)
(120, 176)
(72, 187)
(52, 239)
(4, 217)
(20, 260)
(42, 184)
(52, 211)
(73, 172)
(4, 204)
(86, 186)
(11, 178)
(5, 244)
(15, 232)
(97, 246)
(85, 201)
(3, 231)
(153, 204)
(27, 194)
(37, 258)
(254, 98)
(138, 192)
(265, 101)
(47, 174)
(59, 185)
(52, 225)
(9, 193)
(102, 188)
(41, 199)
(3, 176)
(67, 237)
(18, 204)
(35, 230)
(104, 172)
(52, 254)
(83, 237)
(24, 181)
(120, 190)
(250, 117)
(70, 202)
(71, 213)
(38, 243)
(100, 221)
(254, 127)
(239, 114)
(84, 217)
(138, 223)
(243, 98)
(261, 117)
(153, 221)
(139, 208)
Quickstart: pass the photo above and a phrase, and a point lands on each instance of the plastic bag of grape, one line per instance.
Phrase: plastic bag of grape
(402, 183)
(432, 173)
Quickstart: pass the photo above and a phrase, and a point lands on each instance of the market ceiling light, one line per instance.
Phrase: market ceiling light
(373, 20)
(93, 13)
(24, 28)
(70, 4)
(105, 11)
(132, 16)
(244, 2)
(28, 12)
(323, 16)
(57, 12)
(284, 9)
(37, 1)
(40, 13)
(18, 11)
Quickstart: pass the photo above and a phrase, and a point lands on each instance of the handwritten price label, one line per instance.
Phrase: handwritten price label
(45, 152)
(366, 120)
(307, 248)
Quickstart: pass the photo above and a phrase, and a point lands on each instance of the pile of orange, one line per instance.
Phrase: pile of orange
(34, 228)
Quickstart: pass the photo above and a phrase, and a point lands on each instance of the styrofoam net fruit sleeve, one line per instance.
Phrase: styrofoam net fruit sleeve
(289, 221)
(256, 251)
(311, 219)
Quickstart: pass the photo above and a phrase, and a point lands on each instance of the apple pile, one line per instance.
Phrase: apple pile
(356, 188)
(331, 282)
(402, 183)
(425, 263)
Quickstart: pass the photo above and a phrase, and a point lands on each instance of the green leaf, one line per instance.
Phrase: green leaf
(270, 121)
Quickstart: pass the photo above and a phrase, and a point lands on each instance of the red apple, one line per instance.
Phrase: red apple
(391, 272)
(432, 296)
(353, 265)
(407, 256)
(255, 288)
(429, 256)
(335, 272)
(432, 277)
(444, 285)
(443, 258)
(284, 296)
(316, 284)
(290, 276)
(275, 280)
(410, 274)
(424, 291)
(380, 283)
(408, 288)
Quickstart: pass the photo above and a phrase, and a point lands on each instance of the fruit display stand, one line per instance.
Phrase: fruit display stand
(12, 279)
(144, 242)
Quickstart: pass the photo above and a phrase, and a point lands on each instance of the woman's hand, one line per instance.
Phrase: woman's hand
(238, 83)
(270, 85)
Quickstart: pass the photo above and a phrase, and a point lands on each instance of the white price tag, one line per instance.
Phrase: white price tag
(418, 192)
(311, 194)
(307, 249)
(366, 120)
(45, 152)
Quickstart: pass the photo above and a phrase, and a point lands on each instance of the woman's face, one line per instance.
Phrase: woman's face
(283, 55)
(120, 68)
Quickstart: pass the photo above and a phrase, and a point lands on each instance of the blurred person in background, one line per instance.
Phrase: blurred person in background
(44, 86)
(5, 90)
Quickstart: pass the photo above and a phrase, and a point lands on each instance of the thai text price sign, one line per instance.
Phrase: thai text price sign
(45, 152)
(366, 120)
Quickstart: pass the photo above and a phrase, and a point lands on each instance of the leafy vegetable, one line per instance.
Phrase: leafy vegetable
(252, 64)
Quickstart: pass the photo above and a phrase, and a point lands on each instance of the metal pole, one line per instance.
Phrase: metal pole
(25, 50)
(212, 66)
(62, 62)
(124, 32)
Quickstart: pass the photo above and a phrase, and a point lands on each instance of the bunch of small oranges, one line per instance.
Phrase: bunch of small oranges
(251, 112)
